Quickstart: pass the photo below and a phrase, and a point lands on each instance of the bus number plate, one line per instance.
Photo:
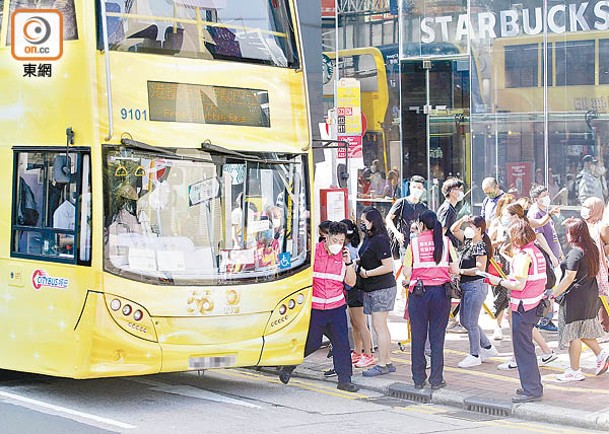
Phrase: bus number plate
(211, 362)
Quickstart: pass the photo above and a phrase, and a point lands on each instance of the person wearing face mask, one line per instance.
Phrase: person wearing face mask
(590, 181)
(474, 258)
(497, 233)
(377, 179)
(428, 263)
(332, 268)
(493, 193)
(511, 214)
(404, 212)
(540, 216)
(577, 318)
(526, 282)
(452, 190)
(592, 212)
(376, 280)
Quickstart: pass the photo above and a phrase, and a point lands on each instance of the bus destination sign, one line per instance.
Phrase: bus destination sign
(206, 104)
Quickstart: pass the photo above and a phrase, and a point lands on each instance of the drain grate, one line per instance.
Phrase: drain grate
(488, 406)
(407, 392)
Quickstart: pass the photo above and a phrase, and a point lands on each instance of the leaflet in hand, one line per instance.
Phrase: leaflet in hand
(483, 274)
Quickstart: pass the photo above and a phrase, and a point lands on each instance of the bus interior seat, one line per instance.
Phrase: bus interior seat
(114, 24)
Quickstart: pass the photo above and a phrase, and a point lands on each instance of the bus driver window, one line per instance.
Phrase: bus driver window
(47, 205)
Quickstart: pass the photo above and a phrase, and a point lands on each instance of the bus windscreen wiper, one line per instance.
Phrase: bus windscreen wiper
(215, 149)
(158, 150)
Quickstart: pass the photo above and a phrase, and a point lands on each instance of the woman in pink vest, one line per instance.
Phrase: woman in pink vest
(427, 264)
(527, 282)
(577, 317)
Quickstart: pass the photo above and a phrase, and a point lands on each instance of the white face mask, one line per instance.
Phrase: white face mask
(585, 213)
(276, 223)
(416, 193)
(335, 248)
(545, 201)
(469, 233)
(460, 196)
(505, 221)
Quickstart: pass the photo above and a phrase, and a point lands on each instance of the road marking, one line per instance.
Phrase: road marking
(295, 382)
(193, 392)
(59, 409)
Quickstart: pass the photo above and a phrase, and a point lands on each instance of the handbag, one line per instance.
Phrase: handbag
(453, 288)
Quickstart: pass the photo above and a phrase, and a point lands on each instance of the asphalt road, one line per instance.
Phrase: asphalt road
(224, 401)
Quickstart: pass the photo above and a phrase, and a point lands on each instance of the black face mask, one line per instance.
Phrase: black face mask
(362, 227)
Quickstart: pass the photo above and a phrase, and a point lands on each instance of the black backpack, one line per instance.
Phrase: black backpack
(550, 276)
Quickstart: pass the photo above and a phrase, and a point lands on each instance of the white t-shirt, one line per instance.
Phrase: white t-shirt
(64, 216)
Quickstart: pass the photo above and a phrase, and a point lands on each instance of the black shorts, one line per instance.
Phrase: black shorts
(355, 297)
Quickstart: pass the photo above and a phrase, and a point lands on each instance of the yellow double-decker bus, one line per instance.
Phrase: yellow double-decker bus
(156, 204)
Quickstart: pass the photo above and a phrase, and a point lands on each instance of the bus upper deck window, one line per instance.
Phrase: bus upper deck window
(66, 7)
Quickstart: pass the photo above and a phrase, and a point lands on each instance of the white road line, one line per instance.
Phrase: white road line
(60, 409)
(194, 392)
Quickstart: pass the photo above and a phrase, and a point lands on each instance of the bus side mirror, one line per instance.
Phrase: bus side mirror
(62, 172)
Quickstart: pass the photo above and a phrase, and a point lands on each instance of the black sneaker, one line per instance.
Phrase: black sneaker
(348, 387)
(419, 386)
(330, 373)
(285, 373)
(438, 386)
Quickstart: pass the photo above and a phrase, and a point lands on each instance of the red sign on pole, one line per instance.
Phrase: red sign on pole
(328, 8)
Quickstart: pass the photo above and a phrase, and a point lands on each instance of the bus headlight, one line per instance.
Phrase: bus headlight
(285, 312)
(132, 318)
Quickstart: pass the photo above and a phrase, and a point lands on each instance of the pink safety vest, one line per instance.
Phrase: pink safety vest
(328, 276)
(424, 266)
(535, 286)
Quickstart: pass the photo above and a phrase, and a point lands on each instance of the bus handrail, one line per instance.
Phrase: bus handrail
(108, 72)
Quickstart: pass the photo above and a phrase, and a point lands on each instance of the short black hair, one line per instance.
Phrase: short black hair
(450, 184)
(537, 190)
(324, 226)
(337, 228)
(417, 178)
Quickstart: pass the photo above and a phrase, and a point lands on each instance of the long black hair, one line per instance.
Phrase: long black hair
(430, 220)
(480, 222)
(375, 217)
(352, 232)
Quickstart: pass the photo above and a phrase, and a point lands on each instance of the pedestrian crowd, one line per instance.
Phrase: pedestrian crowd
(448, 263)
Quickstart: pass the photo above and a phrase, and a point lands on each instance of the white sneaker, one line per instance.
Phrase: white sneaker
(470, 361)
(498, 334)
(544, 359)
(602, 362)
(427, 362)
(486, 354)
(508, 366)
(571, 375)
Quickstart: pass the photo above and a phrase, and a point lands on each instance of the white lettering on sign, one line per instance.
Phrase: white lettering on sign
(561, 18)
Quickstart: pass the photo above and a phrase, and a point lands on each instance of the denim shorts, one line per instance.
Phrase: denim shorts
(381, 300)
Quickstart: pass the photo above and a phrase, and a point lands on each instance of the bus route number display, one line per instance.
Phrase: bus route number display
(206, 104)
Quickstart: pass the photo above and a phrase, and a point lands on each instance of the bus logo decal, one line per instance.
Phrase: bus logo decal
(40, 278)
(36, 34)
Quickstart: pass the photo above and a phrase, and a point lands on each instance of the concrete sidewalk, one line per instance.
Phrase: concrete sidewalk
(484, 388)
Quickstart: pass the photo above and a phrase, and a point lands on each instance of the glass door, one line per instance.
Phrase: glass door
(435, 122)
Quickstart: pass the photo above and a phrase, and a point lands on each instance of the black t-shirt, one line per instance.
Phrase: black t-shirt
(447, 215)
(405, 213)
(468, 258)
(582, 297)
(371, 253)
